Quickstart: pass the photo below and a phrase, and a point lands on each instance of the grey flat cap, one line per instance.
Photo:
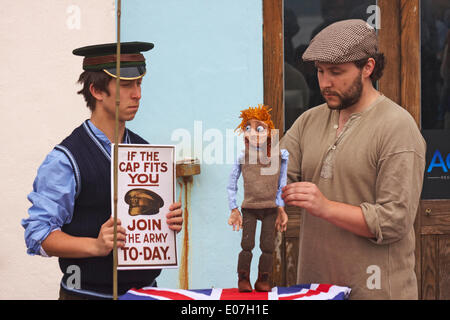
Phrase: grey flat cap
(343, 41)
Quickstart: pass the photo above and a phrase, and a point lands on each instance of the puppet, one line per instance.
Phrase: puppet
(264, 169)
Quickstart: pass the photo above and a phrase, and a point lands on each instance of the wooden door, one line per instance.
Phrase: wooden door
(399, 37)
(406, 81)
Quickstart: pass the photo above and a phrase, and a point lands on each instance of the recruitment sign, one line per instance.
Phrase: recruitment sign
(146, 189)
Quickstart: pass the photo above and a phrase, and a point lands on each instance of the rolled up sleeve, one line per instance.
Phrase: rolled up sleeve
(398, 189)
(52, 201)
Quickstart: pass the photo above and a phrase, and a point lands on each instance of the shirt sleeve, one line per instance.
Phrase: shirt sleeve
(283, 176)
(52, 200)
(233, 181)
(398, 185)
(397, 198)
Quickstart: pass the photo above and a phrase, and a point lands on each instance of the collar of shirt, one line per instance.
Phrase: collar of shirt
(104, 139)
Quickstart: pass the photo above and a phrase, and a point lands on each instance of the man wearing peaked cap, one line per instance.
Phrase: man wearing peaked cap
(70, 216)
(356, 170)
(343, 41)
(103, 58)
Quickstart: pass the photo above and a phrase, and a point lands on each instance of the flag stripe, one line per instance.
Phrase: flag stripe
(234, 294)
(166, 294)
(297, 292)
(322, 288)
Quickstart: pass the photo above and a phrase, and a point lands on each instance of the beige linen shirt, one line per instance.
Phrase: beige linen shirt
(377, 163)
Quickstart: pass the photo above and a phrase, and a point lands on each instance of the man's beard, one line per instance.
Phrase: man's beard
(348, 98)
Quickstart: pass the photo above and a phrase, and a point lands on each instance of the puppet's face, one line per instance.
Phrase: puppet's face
(256, 133)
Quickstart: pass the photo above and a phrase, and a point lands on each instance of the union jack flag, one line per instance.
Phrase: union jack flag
(297, 292)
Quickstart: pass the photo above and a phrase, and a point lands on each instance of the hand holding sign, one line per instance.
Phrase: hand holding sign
(105, 240)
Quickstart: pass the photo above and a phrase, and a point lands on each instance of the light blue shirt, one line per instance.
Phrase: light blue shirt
(236, 172)
(54, 193)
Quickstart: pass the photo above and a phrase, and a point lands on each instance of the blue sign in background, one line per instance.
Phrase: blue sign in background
(436, 182)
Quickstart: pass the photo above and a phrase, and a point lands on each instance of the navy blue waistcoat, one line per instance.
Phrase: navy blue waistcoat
(92, 169)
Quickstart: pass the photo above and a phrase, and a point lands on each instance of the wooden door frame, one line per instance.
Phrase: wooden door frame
(399, 38)
(273, 74)
(273, 60)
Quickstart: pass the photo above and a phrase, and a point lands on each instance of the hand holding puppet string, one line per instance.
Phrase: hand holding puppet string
(264, 169)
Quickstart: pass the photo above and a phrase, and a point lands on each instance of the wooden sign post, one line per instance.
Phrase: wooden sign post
(116, 143)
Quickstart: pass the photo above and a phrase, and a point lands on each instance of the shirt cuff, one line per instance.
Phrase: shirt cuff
(279, 201)
(41, 250)
(43, 253)
(373, 222)
(232, 206)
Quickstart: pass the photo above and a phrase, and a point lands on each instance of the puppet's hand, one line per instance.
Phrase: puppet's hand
(282, 219)
(235, 219)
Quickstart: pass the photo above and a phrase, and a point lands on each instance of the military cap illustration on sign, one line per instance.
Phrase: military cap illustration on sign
(102, 57)
(143, 202)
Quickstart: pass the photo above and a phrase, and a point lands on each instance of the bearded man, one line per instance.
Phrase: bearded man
(356, 171)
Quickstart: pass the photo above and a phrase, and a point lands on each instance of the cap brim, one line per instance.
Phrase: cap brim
(111, 48)
(127, 73)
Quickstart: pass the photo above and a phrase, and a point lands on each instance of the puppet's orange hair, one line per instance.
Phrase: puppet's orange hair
(261, 113)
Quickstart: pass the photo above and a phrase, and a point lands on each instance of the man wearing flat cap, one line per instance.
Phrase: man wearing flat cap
(70, 216)
(356, 170)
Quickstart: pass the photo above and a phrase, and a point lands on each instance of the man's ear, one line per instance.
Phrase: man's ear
(368, 68)
(97, 94)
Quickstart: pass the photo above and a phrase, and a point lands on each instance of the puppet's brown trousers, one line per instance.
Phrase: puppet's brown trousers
(266, 239)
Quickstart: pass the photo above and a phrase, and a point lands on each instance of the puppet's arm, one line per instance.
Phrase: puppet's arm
(235, 217)
(283, 176)
(282, 218)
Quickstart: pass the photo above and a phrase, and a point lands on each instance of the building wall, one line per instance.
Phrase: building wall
(39, 107)
(206, 66)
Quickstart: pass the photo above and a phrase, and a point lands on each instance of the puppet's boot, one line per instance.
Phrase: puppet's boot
(244, 284)
(262, 284)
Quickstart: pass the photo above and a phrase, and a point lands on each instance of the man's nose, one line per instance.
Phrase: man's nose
(325, 81)
(136, 91)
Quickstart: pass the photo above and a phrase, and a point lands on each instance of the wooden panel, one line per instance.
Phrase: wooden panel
(291, 261)
(418, 252)
(444, 267)
(274, 60)
(410, 99)
(429, 267)
(389, 38)
(279, 258)
(293, 226)
(435, 217)
(410, 57)
(291, 243)
(286, 252)
(436, 267)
